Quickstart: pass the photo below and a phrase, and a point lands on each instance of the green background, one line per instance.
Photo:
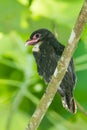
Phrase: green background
(20, 86)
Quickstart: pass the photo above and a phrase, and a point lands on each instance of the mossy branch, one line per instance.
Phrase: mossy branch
(61, 67)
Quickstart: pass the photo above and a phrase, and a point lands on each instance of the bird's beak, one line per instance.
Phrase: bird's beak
(31, 42)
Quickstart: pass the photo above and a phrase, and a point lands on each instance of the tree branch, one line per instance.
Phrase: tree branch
(60, 70)
(81, 108)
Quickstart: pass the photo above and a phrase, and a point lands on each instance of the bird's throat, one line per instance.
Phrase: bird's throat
(36, 47)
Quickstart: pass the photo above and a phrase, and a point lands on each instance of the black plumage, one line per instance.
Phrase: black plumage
(47, 52)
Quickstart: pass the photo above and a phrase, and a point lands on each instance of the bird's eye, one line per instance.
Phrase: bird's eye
(37, 35)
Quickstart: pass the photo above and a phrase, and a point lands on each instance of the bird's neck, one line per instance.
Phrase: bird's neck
(52, 43)
(36, 47)
(46, 44)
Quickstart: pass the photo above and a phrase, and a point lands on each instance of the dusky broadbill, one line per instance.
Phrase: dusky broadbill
(47, 51)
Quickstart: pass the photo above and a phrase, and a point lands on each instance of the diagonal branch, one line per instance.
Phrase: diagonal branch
(82, 110)
(60, 70)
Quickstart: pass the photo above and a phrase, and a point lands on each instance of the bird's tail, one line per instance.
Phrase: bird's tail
(69, 103)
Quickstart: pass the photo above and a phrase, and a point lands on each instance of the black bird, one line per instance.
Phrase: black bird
(47, 52)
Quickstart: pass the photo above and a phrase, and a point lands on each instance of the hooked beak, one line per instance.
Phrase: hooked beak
(31, 41)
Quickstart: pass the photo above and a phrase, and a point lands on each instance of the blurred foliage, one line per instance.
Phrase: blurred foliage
(20, 86)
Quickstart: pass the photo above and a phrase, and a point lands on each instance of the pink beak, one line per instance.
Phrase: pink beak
(31, 42)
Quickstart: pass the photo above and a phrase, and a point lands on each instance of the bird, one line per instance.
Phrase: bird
(47, 51)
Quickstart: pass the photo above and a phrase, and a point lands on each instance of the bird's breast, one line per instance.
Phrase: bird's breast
(46, 60)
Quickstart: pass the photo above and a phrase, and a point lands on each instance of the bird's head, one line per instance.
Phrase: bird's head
(38, 36)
